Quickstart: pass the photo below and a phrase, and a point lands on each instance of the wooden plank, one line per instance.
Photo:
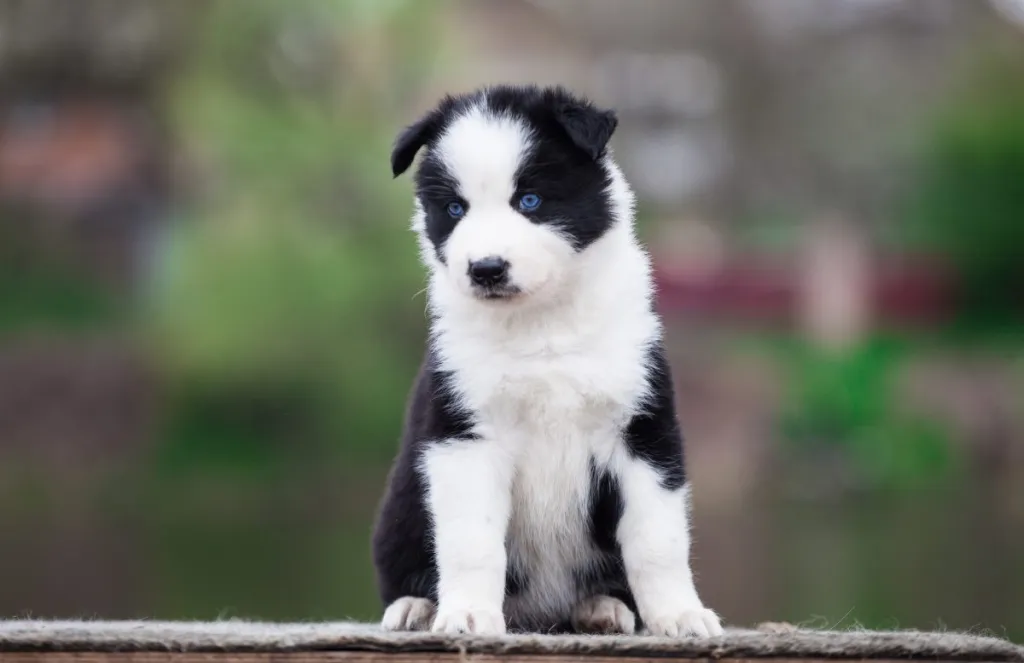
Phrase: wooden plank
(374, 657)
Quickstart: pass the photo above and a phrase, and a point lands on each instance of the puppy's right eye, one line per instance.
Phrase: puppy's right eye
(455, 210)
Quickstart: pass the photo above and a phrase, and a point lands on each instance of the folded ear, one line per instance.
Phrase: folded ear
(409, 142)
(589, 127)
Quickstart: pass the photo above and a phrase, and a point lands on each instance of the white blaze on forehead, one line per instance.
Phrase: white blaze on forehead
(483, 151)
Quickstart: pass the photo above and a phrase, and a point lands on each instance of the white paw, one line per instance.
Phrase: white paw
(603, 614)
(698, 621)
(409, 613)
(481, 621)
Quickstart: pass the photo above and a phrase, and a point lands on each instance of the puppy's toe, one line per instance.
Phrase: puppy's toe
(409, 613)
(480, 621)
(603, 614)
(695, 621)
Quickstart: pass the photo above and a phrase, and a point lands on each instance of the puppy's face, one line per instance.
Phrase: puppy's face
(510, 189)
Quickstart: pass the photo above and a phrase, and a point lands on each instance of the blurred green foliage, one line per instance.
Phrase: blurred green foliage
(970, 203)
(844, 401)
(283, 304)
(44, 299)
(40, 293)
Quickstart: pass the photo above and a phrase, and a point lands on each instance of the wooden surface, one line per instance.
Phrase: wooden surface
(364, 657)
(240, 641)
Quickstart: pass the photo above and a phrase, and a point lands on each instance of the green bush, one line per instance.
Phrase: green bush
(844, 402)
(288, 285)
(970, 203)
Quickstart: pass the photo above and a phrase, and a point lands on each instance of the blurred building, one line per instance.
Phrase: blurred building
(823, 97)
(85, 181)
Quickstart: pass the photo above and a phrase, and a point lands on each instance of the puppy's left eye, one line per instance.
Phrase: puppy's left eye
(529, 202)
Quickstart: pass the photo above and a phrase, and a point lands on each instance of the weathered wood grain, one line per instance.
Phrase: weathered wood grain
(367, 657)
(239, 641)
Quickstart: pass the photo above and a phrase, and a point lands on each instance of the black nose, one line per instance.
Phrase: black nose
(489, 271)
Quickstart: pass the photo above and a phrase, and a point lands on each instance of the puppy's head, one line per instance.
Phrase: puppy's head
(511, 188)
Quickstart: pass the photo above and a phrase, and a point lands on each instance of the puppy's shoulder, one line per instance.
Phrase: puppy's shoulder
(436, 410)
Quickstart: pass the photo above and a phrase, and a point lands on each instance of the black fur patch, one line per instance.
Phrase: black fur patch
(654, 434)
(605, 509)
(608, 575)
(435, 188)
(515, 582)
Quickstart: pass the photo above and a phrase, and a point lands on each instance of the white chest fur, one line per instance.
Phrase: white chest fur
(555, 401)
(548, 537)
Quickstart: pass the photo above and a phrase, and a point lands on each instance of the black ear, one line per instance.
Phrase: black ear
(590, 128)
(410, 141)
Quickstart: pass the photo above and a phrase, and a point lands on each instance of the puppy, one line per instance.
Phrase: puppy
(540, 483)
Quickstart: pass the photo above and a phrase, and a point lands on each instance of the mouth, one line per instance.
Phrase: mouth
(497, 293)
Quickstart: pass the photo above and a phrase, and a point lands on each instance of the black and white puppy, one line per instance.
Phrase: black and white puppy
(540, 481)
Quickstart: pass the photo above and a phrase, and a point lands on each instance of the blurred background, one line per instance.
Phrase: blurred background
(211, 307)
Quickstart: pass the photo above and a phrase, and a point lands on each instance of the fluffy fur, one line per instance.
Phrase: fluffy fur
(540, 483)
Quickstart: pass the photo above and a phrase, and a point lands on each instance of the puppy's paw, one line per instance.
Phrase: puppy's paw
(409, 613)
(480, 621)
(603, 614)
(697, 621)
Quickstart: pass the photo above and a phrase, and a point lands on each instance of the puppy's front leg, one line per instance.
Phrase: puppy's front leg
(655, 540)
(468, 496)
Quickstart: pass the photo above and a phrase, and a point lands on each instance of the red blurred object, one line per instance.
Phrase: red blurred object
(906, 290)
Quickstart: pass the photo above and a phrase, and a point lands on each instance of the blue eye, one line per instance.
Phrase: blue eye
(529, 202)
(455, 210)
